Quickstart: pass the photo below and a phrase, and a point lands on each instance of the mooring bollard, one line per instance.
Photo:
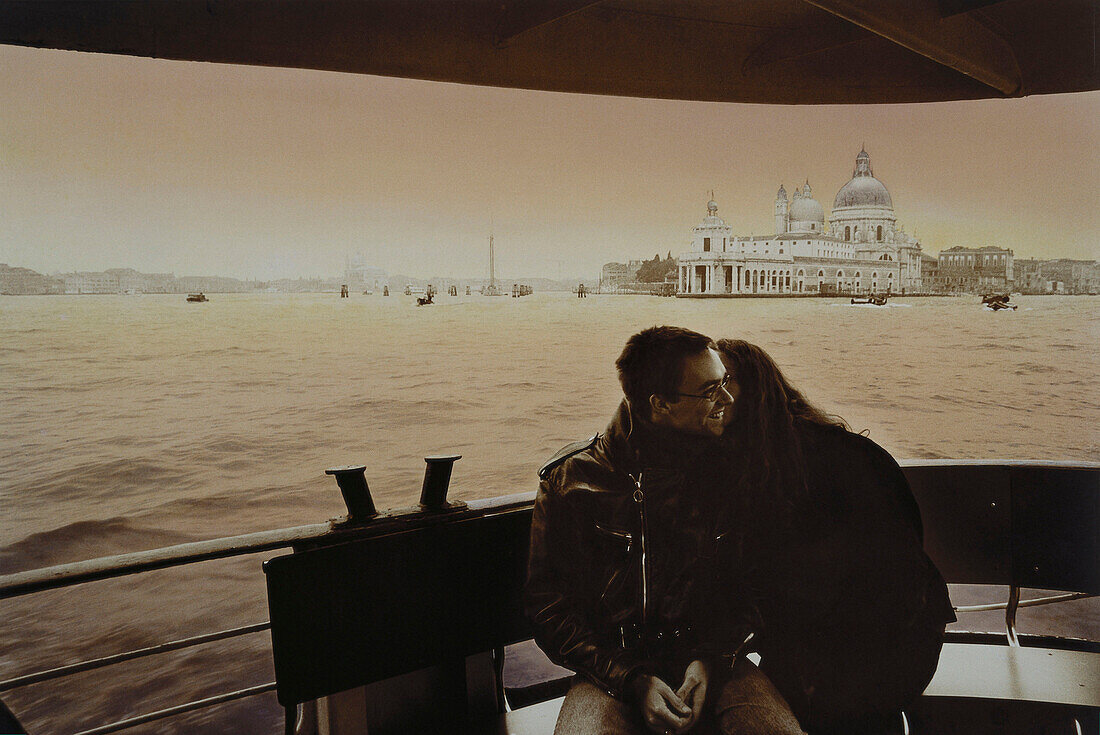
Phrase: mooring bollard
(353, 486)
(437, 478)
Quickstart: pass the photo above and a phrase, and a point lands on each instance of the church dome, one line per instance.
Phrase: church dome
(864, 190)
(712, 219)
(806, 209)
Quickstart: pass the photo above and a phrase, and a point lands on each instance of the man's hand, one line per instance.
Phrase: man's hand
(693, 693)
(662, 709)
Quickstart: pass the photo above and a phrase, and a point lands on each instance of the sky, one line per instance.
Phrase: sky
(252, 172)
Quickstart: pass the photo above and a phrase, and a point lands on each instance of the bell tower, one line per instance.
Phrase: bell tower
(781, 205)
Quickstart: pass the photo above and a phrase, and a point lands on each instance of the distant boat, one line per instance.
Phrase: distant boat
(997, 302)
(871, 300)
(197, 297)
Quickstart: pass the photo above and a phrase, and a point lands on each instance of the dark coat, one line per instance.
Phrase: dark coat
(853, 609)
(625, 538)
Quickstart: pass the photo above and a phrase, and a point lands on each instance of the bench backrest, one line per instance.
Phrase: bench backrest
(360, 612)
(1028, 525)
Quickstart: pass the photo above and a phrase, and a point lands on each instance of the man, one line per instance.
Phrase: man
(627, 533)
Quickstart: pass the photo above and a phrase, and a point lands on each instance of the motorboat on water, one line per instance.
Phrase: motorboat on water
(197, 298)
(399, 620)
(998, 302)
(871, 300)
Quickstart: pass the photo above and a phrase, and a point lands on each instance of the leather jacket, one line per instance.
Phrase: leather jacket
(627, 538)
(853, 609)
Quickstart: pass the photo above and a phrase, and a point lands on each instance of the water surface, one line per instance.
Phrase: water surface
(132, 422)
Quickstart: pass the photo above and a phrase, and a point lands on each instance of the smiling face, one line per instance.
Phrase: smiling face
(690, 410)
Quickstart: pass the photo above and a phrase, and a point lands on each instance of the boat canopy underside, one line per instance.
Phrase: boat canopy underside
(766, 51)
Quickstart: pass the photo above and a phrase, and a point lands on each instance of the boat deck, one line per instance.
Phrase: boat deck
(400, 623)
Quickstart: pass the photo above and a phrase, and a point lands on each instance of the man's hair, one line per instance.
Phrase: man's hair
(653, 363)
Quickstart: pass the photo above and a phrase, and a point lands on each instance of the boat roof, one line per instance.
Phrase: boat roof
(762, 51)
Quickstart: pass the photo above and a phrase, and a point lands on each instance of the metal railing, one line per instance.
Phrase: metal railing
(335, 531)
(67, 575)
(1014, 603)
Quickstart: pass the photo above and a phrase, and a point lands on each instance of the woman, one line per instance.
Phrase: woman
(852, 610)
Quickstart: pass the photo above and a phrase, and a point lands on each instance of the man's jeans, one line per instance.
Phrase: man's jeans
(748, 704)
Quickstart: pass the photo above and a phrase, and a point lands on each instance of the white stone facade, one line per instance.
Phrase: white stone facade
(861, 251)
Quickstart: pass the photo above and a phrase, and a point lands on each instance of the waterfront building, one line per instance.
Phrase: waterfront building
(359, 276)
(118, 280)
(1063, 275)
(930, 272)
(614, 276)
(862, 250)
(24, 281)
(132, 281)
(976, 270)
(1029, 276)
(90, 282)
(1077, 276)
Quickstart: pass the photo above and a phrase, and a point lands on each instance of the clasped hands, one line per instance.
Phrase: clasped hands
(666, 711)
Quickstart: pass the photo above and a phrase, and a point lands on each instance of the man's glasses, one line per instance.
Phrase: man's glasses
(713, 393)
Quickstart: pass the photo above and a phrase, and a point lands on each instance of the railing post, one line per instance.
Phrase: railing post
(437, 478)
(353, 486)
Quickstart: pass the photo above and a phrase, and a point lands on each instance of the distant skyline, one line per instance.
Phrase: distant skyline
(250, 172)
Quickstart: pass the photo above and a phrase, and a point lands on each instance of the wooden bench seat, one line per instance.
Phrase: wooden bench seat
(536, 719)
(1066, 678)
(982, 671)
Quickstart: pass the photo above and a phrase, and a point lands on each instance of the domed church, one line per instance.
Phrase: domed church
(862, 250)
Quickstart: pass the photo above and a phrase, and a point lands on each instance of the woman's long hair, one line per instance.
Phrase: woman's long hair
(764, 434)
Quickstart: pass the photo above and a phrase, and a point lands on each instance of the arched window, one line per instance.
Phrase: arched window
(847, 233)
(820, 274)
(840, 274)
(874, 274)
(801, 272)
(880, 233)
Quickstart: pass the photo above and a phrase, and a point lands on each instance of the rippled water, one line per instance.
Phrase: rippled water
(136, 422)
